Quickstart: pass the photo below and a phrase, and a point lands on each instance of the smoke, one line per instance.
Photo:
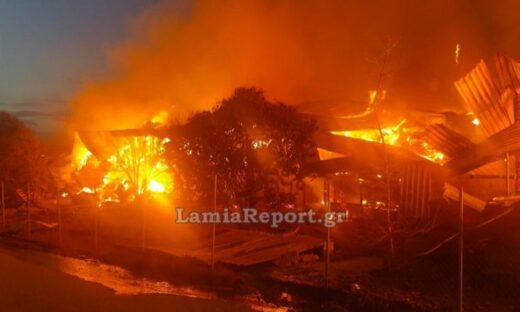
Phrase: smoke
(321, 54)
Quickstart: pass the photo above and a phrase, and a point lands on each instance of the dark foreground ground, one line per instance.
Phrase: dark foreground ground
(82, 273)
(30, 281)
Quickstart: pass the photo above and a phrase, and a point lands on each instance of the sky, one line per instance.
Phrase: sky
(48, 49)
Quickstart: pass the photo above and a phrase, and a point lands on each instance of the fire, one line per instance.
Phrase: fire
(256, 144)
(391, 134)
(156, 187)
(457, 53)
(80, 154)
(161, 118)
(373, 96)
(475, 121)
(87, 190)
(426, 151)
(139, 166)
(397, 135)
(136, 167)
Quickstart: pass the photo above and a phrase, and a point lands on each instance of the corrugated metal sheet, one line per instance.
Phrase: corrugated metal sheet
(491, 149)
(488, 92)
(419, 189)
(492, 169)
(446, 140)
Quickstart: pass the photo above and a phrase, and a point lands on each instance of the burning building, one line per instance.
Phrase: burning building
(120, 165)
(424, 153)
(419, 151)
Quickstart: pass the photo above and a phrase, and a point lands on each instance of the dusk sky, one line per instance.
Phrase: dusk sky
(49, 48)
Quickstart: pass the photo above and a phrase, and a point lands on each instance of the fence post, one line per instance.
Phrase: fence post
(3, 206)
(58, 208)
(461, 250)
(28, 210)
(143, 224)
(96, 221)
(326, 199)
(508, 174)
(214, 225)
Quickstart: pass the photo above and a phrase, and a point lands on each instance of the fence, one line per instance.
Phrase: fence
(476, 271)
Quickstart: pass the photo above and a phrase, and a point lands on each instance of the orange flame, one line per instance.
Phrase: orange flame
(390, 134)
(397, 135)
(137, 167)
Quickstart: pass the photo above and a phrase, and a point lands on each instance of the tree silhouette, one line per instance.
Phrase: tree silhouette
(243, 140)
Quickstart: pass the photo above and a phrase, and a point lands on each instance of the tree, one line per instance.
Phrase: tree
(243, 140)
(21, 160)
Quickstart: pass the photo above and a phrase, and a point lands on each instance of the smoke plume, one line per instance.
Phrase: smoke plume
(320, 54)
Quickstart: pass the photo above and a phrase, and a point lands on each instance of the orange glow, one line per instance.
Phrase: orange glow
(397, 135)
(138, 165)
(135, 168)
(87, 190)
(256, 144)
(81, 155)
(161, 118)
(476, 121)
(457, 53)
(431, 154)
(391, 134)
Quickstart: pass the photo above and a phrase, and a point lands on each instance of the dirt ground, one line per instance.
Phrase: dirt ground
(360, 280)
(29, 283)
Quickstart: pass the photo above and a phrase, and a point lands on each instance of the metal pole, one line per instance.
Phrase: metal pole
(214, 225)
(58, 208)
(96, 222)
(143, 227)
(508, 192)
(96, 229)
(516, 118)
(29, 211)
(3, 206)
(326, 198)
(461, 250)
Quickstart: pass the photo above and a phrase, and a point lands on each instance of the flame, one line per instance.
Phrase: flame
(87, 190)
(430, 153)
(260, 143)
(457, 53)
(135, 168)
(390, 134)
(139, 165)
(476, 121)
(161, 118)
(397, 135)
(373, 96)
(156, 187)
(80, 153)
